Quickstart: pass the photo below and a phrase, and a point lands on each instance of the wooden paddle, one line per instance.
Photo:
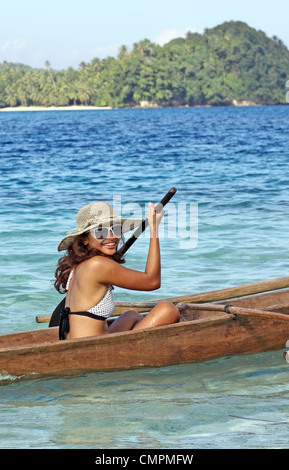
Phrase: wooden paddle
(54, 319)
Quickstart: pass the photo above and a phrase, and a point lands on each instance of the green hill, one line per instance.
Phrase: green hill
(229, 64)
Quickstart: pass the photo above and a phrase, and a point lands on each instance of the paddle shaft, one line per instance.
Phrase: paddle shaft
(141, 228)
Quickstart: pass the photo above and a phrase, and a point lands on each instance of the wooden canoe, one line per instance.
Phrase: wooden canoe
(254, 323)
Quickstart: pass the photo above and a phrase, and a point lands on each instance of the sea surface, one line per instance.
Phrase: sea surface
(228, 226)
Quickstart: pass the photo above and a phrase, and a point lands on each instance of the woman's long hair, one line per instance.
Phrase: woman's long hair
(77, 252)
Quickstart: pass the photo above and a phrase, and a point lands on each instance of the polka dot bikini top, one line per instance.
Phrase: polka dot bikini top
(103, 309)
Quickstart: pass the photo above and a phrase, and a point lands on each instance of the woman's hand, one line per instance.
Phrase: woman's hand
(154, 218)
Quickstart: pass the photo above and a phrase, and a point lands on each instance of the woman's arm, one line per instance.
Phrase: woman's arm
(153, 266)
(107, 271)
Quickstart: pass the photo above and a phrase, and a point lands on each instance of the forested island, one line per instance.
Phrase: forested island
(227, 65)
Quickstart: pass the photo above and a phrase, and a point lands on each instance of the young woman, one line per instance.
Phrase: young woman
(93, 265)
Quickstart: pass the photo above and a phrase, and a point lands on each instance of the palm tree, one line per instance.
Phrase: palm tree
(82, 66)
(96, 64)
(48, 66)
(123, 52)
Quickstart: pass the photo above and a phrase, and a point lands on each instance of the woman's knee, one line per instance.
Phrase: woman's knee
(126, 321)
(164, 314)
(170, 311)
(132, 315)
(131, 318)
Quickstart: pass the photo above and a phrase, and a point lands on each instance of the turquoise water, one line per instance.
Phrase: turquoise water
(232, 403)
(230, 163)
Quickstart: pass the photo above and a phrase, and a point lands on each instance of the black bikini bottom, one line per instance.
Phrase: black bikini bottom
(64, 320)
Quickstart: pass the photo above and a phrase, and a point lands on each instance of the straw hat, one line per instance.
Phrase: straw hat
(93, 215)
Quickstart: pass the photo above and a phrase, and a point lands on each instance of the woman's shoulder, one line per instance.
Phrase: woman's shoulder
(96, 262)
(94, 271)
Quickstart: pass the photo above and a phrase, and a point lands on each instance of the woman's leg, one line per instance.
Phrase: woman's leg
(164, 313)
(127, 321)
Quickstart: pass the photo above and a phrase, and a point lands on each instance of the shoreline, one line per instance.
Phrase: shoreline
(143, 105)
(53, 108)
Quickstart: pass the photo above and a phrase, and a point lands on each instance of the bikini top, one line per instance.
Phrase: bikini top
(105, 307)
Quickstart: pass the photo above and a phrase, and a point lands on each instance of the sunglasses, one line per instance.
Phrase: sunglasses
(100, 233)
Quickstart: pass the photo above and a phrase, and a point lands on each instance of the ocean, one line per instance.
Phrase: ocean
(230, 166)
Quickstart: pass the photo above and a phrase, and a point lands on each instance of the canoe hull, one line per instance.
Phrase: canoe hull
(201, 336)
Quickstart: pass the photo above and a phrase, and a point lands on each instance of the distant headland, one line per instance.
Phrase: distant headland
(229, 65)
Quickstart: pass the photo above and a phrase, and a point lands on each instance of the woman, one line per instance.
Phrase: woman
(93, 265)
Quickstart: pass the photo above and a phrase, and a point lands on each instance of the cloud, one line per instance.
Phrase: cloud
(169, 34)
(15, 45)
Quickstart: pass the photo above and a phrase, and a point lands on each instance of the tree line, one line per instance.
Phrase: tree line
(231, 62)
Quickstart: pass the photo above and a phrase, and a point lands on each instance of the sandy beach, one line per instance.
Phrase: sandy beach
(54, 108)
(142, 104)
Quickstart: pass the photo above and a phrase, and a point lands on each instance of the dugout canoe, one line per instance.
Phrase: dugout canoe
(242, 320)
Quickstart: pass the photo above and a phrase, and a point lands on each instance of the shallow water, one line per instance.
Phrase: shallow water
(233, 164)
(239, 402)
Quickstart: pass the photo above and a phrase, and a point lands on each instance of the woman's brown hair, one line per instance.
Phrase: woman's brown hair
(77, 252)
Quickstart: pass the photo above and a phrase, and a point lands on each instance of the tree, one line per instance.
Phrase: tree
(48, 66)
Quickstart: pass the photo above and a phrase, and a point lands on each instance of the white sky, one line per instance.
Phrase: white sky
(66, 32)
